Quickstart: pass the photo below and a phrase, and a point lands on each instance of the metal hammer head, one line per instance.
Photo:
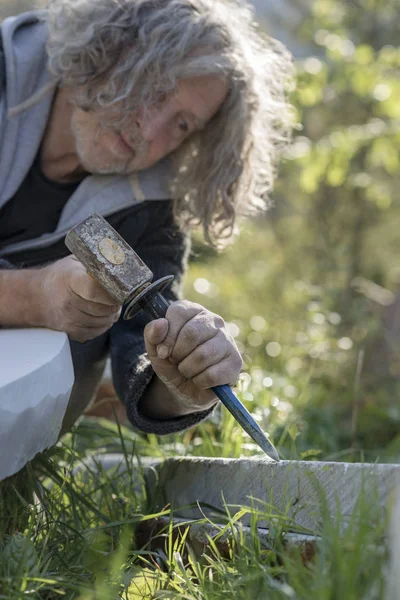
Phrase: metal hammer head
(108, 258)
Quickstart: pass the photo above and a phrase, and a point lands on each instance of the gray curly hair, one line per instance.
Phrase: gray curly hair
(133, 52)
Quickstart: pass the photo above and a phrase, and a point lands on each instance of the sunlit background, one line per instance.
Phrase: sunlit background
(310, 290)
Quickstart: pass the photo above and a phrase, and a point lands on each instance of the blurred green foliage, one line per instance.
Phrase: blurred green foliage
(299, 287)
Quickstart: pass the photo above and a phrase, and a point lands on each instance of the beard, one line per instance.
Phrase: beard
(100, 148)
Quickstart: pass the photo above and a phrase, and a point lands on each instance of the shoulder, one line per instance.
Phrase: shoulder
(159, 236)
(2, 67)
(148, 221)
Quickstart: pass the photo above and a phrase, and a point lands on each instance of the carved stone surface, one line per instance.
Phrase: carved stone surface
(393, 584)
(294, 488)
(36, 378)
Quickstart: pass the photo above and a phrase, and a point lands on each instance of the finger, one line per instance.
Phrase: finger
(154, 334)
(84, 320)
(95, 308)
(225, 372)
(204, 356)
(178, 314)
(84, 334)
(202, 327)
(86, 287)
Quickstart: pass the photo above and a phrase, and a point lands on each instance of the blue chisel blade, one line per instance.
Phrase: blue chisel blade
(156, 306)
(244, 418)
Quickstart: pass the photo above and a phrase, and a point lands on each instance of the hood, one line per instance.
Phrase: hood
(28, 79)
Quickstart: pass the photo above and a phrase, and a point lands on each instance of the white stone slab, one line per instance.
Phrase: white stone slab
(36, 379)
(294, 488)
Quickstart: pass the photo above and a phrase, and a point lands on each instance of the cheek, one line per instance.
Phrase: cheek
(85, 125)
(162, 146)
(80, 131)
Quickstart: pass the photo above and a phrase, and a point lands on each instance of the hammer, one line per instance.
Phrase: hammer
(119, 270)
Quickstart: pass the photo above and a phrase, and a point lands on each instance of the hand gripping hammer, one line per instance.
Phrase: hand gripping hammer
(114, 264)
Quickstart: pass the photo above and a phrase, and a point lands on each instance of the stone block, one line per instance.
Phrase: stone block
(304, 491)
(36, 379)
(393, 583)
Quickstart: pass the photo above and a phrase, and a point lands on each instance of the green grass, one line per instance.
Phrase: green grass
(312, 376)
(71, 530)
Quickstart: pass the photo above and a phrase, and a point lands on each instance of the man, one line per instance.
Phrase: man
(115, 107)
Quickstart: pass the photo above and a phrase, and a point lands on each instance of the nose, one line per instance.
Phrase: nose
(152, 126)
(154, 130)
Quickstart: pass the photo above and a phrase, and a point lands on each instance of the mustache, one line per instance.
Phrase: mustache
(138, 143)
(133, 137)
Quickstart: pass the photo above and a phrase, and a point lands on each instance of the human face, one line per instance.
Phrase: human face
(149, 134)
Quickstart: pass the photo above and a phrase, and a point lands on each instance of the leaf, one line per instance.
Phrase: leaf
(310, 454)
(145, 584)
(293, 431)
(20, 555)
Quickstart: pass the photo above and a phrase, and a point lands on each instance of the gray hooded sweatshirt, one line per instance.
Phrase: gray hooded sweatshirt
(137, 206)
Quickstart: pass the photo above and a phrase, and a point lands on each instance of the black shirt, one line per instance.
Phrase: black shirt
(35, 208)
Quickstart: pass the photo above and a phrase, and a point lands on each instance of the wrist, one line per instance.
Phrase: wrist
(161, 402)
(183, 405)
(22, 302)
(36, 293)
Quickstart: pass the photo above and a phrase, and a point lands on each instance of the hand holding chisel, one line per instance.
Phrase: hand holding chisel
(113, 263)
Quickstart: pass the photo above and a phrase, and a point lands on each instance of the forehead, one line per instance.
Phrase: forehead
(203, 96)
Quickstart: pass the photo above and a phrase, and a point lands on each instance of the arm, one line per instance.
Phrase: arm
(20, 305)
(60, 296)
(150, 406)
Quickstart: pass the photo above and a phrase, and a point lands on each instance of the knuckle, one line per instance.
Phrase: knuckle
(108, 324)
(205, 319)
(103, 311)
(178, 305)
(209, 379)
(238, 362)
(185, 304)
(78, 336)
(182, 307)
(183, 370)
(231, 344)
(204, 323)
(113, 316)
(234, 358)
(233, 371)
(90, 288)
(205, 354)
(191, 332)
(218, 321)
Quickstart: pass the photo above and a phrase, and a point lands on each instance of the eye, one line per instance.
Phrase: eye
(183, 126)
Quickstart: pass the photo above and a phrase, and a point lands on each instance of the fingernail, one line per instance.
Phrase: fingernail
(162, 351)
